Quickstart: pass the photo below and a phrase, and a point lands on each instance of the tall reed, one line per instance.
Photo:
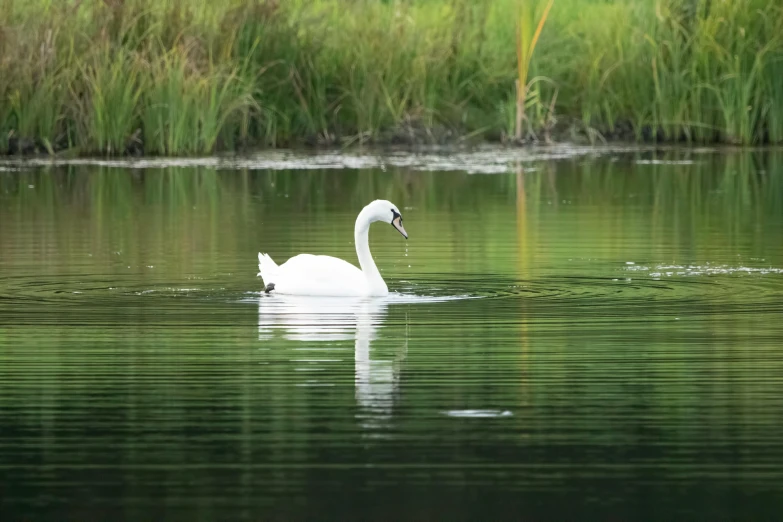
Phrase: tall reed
(526, 44)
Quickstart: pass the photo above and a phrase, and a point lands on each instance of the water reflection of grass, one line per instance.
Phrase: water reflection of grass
(586, 210)
(182, 77)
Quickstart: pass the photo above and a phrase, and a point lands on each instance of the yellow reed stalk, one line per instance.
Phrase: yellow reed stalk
(525, 47)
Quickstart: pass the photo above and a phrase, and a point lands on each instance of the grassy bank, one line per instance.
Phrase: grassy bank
(192, 76)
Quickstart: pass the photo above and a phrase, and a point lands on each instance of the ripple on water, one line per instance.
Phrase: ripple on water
(660, 271)
(633, 290)
(478, 414)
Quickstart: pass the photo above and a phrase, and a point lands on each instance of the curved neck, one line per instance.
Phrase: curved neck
(361, 238)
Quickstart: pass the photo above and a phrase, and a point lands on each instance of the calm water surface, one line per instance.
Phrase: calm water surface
(596, 336)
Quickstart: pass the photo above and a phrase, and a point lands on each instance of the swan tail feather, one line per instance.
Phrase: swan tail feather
(266, 268)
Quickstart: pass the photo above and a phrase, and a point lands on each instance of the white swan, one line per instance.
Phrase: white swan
(307, 274)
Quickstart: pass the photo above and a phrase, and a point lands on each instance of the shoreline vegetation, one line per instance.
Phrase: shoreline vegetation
(187, 77)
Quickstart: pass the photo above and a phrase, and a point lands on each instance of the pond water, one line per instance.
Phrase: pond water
(570, 334)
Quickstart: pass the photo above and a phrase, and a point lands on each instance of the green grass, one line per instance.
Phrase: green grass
(192, 77)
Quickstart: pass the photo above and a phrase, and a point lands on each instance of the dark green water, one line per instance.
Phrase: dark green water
(590, 337)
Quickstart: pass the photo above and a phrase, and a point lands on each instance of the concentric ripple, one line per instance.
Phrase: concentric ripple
(629, 291)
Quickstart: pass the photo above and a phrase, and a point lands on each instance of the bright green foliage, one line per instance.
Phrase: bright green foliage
(192, 76)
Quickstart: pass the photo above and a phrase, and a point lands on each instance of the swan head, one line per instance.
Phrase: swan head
(386, 211)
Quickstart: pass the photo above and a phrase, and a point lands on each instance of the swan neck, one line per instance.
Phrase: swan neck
(361, 239)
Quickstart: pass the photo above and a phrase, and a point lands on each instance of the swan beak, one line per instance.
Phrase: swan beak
(397, 223)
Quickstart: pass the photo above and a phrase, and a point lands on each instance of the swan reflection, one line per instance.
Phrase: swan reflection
(335, 319)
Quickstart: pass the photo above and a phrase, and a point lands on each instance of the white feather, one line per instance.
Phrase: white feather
(314, 275)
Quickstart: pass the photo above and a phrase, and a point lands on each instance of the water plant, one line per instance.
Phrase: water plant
(526, 44)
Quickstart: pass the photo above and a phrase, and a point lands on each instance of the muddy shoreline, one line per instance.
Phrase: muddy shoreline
(404, 137)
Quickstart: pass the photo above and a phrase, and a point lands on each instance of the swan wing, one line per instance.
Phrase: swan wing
(308, 274)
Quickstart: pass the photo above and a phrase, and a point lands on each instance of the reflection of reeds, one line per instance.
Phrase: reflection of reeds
(738, 195)
(192, 77)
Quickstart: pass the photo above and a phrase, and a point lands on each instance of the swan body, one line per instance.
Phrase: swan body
(317, 275)
(308, 274)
